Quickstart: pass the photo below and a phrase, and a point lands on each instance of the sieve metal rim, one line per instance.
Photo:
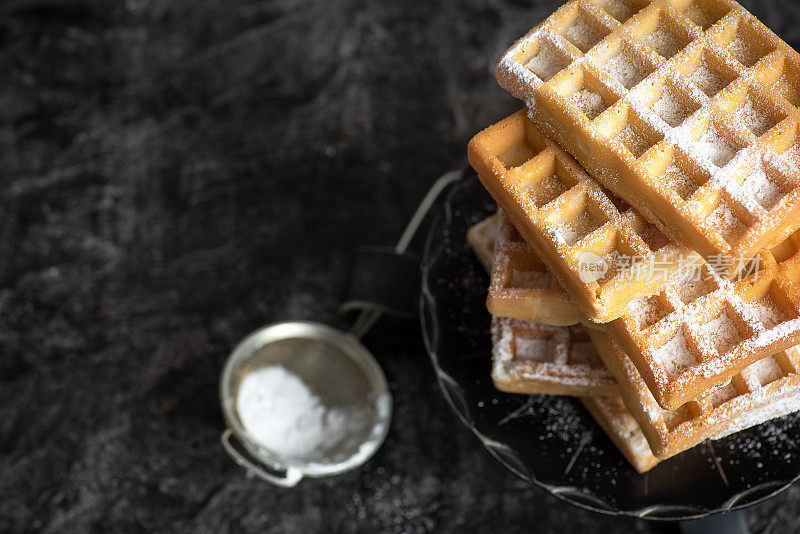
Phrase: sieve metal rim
(255, 341)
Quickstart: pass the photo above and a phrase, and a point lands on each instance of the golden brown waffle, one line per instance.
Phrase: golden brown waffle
(609, 411)
(616, 420)
(572, 222)
(696, 334)
(482, 238)
(764, 390)
(702, 329)
(532, 358)
(522, 286)
(684, 108)
(536, 358)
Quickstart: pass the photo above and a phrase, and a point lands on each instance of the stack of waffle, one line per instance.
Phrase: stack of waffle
(645, 254)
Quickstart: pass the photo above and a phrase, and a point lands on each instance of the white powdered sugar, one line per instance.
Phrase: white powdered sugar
(675, 356)
(546, 190)
(634, 140)
(714, 147)
(722, 394)
(588, 102)
(582, 34)
(766, 370)
(743, 51)
(625, 69)
(693, 285)
(531, 348)
(792, 154)
(647, 310)
(722, 333)
(754, 119)
(621, 10)
(708, 79)
(670, 108)
(768, 313)
(570, 232)
(547, 62)
(760, 187)
(726, 222)
(679, 181)
(663, 41)
(283, 415)
(546, 354)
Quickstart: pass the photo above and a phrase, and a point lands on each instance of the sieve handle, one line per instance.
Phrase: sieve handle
(288, 480)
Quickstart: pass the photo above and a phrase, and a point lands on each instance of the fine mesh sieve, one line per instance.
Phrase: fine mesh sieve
(336, 369)
(329, 365)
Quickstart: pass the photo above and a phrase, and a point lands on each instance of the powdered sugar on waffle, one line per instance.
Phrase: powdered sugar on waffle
(517, 357)
(588, 102)
(548, 61)
(775, 393)
(675, 356)
(714, 153)
(670, 108)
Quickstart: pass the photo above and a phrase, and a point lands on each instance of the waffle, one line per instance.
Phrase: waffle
(727, 325)
(533, 358)
(482, 238)
(522, 287)
(684, 108)
(609, 410)
(703, 329)
(764, 390)
(536, 358)
(616, 421)
(568, 218)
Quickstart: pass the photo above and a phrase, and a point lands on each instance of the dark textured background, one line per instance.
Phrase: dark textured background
(177, 173)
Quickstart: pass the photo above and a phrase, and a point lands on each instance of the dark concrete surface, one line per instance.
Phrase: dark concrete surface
(177, 173)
